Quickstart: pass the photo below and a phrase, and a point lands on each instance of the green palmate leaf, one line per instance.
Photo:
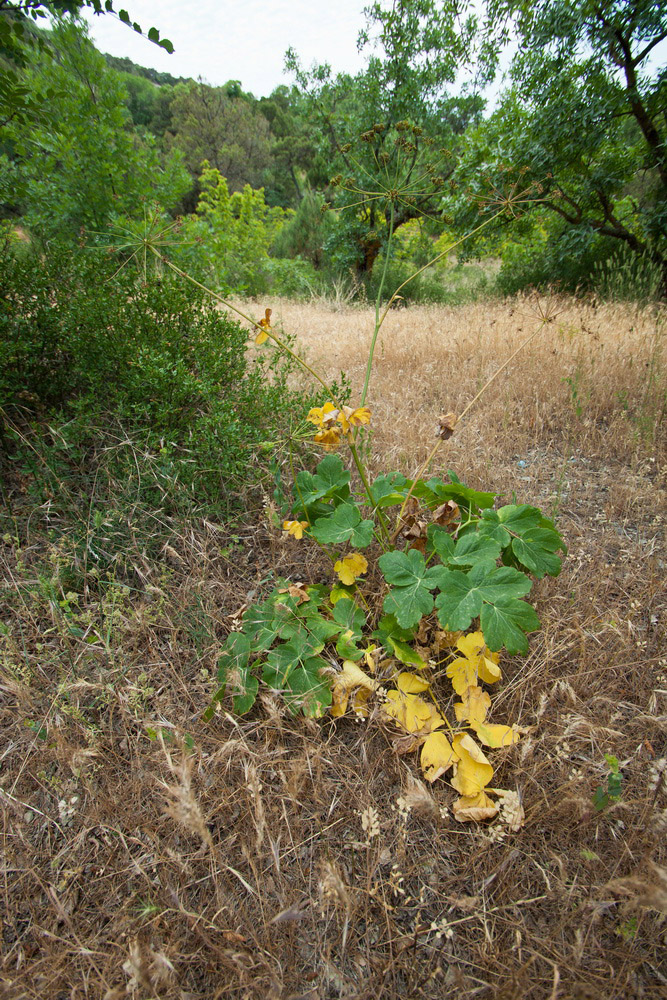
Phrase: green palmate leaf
(528, 537)
(233, 671)
(505, 624)
(473, 548)
(349, 615)
(435, 492)
(311, 631)
(347, 648)
(439, 540)
(260, 624)
(389, 490)
(410, 598)
(331, 480)
(344, 525)
(388, 628)
(307, 690)
(282, 660)
(463, 594)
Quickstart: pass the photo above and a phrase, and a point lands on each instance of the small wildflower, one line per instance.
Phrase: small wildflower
(295, 528)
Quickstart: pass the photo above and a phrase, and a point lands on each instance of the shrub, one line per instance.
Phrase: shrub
(80, 339)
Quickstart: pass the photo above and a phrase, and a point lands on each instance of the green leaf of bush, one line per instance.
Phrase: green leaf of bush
(463, 594)
(410, 597)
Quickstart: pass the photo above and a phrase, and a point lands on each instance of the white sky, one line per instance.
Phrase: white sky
(244, 40)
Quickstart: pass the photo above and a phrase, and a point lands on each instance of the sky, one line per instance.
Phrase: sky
(244, 40)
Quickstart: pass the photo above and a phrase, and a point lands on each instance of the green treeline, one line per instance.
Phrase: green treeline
(278, 195)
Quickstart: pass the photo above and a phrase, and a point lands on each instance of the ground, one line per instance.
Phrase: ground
(148, 854)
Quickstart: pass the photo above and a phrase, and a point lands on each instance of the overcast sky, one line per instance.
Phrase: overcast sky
(244, 40)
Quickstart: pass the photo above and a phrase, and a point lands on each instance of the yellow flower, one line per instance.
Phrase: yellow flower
(295, 528)
(350, 568)
(265, 325)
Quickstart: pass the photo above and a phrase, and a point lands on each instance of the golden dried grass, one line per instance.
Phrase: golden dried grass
(145, 854)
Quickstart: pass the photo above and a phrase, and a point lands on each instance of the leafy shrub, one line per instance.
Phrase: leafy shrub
(80, 338)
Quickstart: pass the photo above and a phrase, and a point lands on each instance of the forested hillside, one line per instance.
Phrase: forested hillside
(333, 429)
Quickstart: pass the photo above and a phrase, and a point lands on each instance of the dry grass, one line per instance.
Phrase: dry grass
(148, 855)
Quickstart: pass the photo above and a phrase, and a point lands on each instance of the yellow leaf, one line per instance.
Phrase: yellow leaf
(369, 658)
(474, 649)
(474, 808)
(265, 326)
(412, 713)
(351, 567)
(349, 678)
(437, 756)
(323, 417)
(360, 702)
(353, 418)
(473, 706)
(295, 528)
(473, 772)
(329, 438)
(493, 735)
(411, 683)
(463, 674)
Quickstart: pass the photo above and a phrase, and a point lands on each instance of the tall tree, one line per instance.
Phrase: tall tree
(226, 131)
(388, 134)
(583, 123)
(77, 162)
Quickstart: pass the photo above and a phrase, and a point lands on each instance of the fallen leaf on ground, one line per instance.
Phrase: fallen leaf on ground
(473, 771)
(473, 706)
(494, 735)
(474, 808)
(437, 756)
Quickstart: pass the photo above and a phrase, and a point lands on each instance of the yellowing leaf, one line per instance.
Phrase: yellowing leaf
(360, 702)
(474, 808)
(437, 756)
(349, 678)
(337, 592)
(323, 417)
(412, 713)
(473, 706)
(351, 567)
(473, 772)
(265, 325)
(329, 438)
(463, 674)
(411, 683)
(493, 735)
(362, 415)
(474, 648)
(295, 528)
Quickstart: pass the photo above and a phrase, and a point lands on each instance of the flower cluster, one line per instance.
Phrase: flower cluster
(332, 422)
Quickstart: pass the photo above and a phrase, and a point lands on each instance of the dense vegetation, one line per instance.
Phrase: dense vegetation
(576, 141)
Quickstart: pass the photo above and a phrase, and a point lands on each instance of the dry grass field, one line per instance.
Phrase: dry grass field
(146, 854)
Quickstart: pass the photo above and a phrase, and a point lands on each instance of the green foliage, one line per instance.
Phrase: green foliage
(606, 795)
(82, 338)
(75, 162)
(228, 241)
(479, 567)
(230, 134)
(578, 141)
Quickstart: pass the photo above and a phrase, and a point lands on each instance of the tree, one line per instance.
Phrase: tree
(208, 124)
(583, 125)
(392, 128)
(15, 34)
(78, 162)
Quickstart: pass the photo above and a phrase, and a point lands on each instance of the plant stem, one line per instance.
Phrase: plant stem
(239, 312)
(378, 302)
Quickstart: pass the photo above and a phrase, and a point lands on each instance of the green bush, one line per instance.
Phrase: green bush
(85, 344)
